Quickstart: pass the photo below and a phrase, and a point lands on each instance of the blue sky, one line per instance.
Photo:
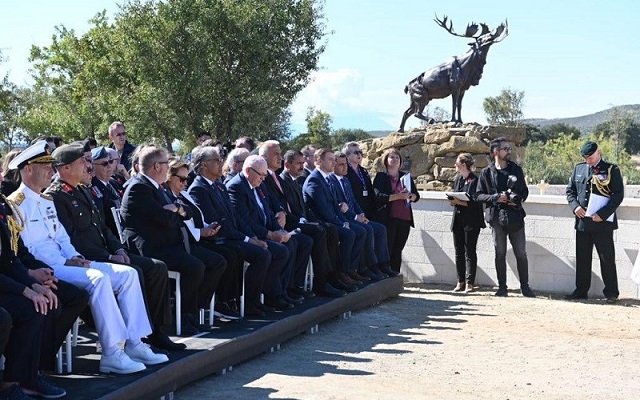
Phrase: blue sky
(570, 58)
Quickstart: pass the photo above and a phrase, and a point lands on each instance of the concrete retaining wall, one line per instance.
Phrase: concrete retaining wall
(429, 255)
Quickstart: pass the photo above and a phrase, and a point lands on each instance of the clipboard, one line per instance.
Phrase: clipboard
(458, 195)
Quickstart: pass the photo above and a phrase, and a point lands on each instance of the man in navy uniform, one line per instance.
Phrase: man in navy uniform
(594, 192)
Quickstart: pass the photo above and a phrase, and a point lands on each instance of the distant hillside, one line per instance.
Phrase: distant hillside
(586, 123)
(379, 133)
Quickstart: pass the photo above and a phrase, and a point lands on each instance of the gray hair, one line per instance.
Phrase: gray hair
(234, 156)
(347, 147)
(266, 146)
(254, 161)
(201, 154)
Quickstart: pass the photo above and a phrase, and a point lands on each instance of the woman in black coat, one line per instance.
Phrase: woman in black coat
(394, 205)
(466, 223)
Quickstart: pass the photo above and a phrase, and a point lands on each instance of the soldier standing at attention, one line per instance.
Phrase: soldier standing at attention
(594, 192)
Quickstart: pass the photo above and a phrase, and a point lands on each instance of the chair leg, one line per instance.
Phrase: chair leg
(178, 307)
(212, 306)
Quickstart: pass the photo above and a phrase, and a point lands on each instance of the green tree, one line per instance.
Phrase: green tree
(504, 109)
(535, 134)
(318, 127)
(170, 69)
(622, 126)
(342, 136)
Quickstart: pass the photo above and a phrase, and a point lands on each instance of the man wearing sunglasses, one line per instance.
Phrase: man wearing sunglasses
(104, 194)
(118, 137)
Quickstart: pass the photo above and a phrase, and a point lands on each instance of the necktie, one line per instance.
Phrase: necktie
(260, 206)
(277, 180)
(345, 191)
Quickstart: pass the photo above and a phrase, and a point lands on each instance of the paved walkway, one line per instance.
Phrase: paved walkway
(433, 344)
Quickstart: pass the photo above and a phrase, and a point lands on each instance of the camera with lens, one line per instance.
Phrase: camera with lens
(512, 197)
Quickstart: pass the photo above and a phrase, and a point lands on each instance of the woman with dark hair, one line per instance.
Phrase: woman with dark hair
(394, 204)
(466, 223)
(11, 177)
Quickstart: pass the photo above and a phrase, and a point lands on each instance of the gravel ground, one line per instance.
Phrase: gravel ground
(430, 343)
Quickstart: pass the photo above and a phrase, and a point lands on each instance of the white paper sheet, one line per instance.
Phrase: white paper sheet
(596, 202)
(458, 195)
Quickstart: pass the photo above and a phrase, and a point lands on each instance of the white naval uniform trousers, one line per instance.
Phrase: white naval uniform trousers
(48, 241)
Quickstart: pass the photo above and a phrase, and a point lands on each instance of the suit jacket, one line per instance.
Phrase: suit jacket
(303, 177)
(105, 197)
(470, 216)
(368, 202)
(147, 225)
(320, 199)
(83, 222)
(581, 187)
(280, 198)
(257, 222)
(14, 276)
(295, 199)
(488, 191)
(382, 188)
(215, 204)
(345, 194)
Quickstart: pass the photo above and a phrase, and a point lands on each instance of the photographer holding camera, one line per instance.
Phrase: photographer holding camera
(503, 190)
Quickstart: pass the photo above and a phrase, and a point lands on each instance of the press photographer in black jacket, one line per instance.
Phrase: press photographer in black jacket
(503, 190)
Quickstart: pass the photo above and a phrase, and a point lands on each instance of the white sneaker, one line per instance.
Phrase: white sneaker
(120, 363)
(142, 353)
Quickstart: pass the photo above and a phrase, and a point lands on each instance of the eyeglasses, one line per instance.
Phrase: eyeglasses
(215, 159)
(506, 148)
(88, 159)
(104, 164)
(120, 134)
(261, 175)
(182, 178)
(357, 152)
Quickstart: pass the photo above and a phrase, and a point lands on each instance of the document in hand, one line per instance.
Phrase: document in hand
(406, 183)
(596, 202)
(458, 195)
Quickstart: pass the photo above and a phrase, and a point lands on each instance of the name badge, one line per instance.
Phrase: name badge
(365, 193)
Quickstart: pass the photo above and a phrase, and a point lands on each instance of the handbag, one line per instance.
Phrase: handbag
(511, 219)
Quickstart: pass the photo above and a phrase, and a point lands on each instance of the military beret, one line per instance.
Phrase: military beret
(99, 152)
(588, 149)
(37, 153)
(68, 153)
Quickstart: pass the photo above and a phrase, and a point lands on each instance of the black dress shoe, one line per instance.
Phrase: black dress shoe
(223, 310)
(263, 307)
(251, 311)
(188, 329)
(330, 291)
(502, 292)
(612, 300)
(369, 273)
(161, 341)
(280, 304)
(386, 270)
(379, 272)
(576, 296)
(527, 292)
(339, 284)
(292, 295)
(293, 300)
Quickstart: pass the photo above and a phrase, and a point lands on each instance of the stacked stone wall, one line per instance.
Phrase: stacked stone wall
(429, 153)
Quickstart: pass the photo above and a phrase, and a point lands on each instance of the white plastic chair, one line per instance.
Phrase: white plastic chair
(70, 341)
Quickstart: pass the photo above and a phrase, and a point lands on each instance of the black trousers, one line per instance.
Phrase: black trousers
(603, 242)
(300, 247)
(397, 235)
(259, 260)
(200, 272)
(154, 282)
(319, 253)
(464, 243)
(72, 301)
(22, 350)
(230, 286)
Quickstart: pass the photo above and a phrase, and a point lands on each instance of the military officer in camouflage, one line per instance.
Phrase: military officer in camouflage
(594, 192)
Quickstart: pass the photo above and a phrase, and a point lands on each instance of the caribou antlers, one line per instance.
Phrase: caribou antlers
(472, 29)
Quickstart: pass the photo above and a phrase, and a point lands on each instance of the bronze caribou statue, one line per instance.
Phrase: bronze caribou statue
(455, 76)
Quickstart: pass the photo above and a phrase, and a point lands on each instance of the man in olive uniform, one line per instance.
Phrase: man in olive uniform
(594, 192)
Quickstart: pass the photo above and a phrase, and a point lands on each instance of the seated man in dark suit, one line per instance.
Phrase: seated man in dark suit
(152, 225)
(213, 200)
(377, 248)
(293, 166)
(321, 200)
(316, 234)
(250, 201)
(89, 235)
